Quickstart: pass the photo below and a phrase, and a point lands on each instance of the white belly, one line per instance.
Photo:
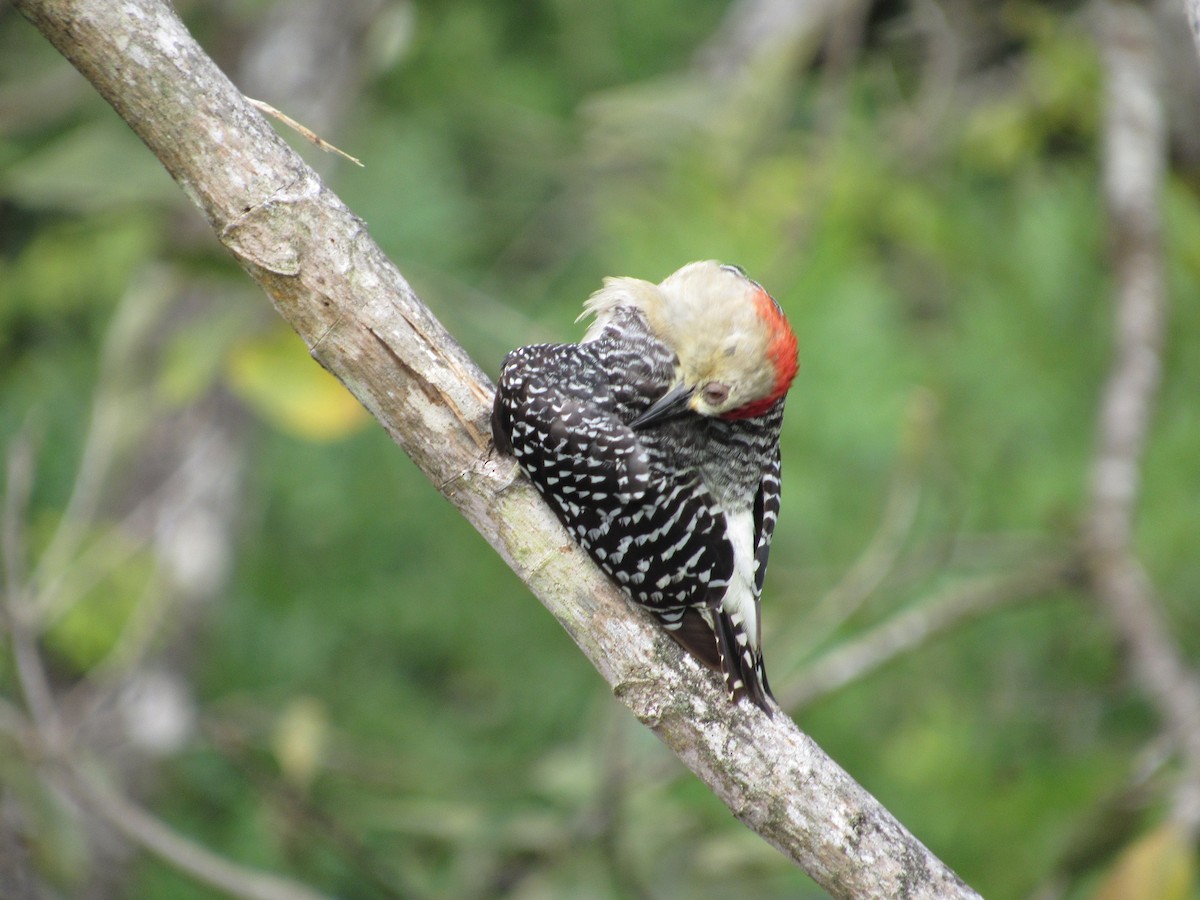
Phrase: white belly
(739, 602)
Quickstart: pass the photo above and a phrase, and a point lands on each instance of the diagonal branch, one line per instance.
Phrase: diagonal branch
(854, 659)
(146, 831)
(362, 322)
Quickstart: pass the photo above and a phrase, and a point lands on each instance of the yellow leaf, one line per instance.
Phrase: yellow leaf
(274, 376)
(299, 739)
(1160, 865)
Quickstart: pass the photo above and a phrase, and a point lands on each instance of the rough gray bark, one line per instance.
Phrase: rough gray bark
(364, 324)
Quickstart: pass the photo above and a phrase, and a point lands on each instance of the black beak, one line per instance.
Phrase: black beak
(672, 403)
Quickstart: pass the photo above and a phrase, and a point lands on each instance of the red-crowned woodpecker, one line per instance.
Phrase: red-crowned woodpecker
(656, 442)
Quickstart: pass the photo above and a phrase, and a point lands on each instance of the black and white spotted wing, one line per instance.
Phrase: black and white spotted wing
(636, 500)
(654, 530)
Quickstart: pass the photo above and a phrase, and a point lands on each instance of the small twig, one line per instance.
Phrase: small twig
(92, 563)
(878, 559)
(18, 483)
(753, 29)
(18, 880)
(46, 737)
(306, 133)
(913, 627)
(18, 611)
(939, 76)
(142, 626)
(150, 833)
(309, 822)
(108, 551)
(842, 47)
(110, 424)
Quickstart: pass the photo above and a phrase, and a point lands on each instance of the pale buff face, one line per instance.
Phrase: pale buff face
(712, 317)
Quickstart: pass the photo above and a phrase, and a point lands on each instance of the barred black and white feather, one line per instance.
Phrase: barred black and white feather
(678, 511)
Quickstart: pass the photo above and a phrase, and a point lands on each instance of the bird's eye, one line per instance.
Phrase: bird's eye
(715, 393)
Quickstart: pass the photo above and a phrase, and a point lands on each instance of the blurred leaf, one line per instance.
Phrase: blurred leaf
(275, 377)
(998, 135)
(1053, 104)
(67, 267)
(93, 623)
(93, 167)
(299, 739)
(1160, 865)
(194, 358)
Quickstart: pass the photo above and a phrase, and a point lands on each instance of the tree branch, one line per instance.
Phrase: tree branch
(854, 659)
(1134, 159)
(1193, 14)
(364, 324)
(56, 760)
(146, 831)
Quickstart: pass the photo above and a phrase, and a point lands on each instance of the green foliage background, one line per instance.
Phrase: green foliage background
(383, 709)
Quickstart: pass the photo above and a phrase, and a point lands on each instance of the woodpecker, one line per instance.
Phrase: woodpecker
(655, 440)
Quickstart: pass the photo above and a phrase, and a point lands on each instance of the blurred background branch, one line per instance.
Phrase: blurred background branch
(908, 631)
(1192, 8)
(1135, 155)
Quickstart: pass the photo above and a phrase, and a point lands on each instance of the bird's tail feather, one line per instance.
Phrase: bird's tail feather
(711, 637)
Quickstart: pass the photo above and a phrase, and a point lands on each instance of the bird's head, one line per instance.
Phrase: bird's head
(736, 352)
